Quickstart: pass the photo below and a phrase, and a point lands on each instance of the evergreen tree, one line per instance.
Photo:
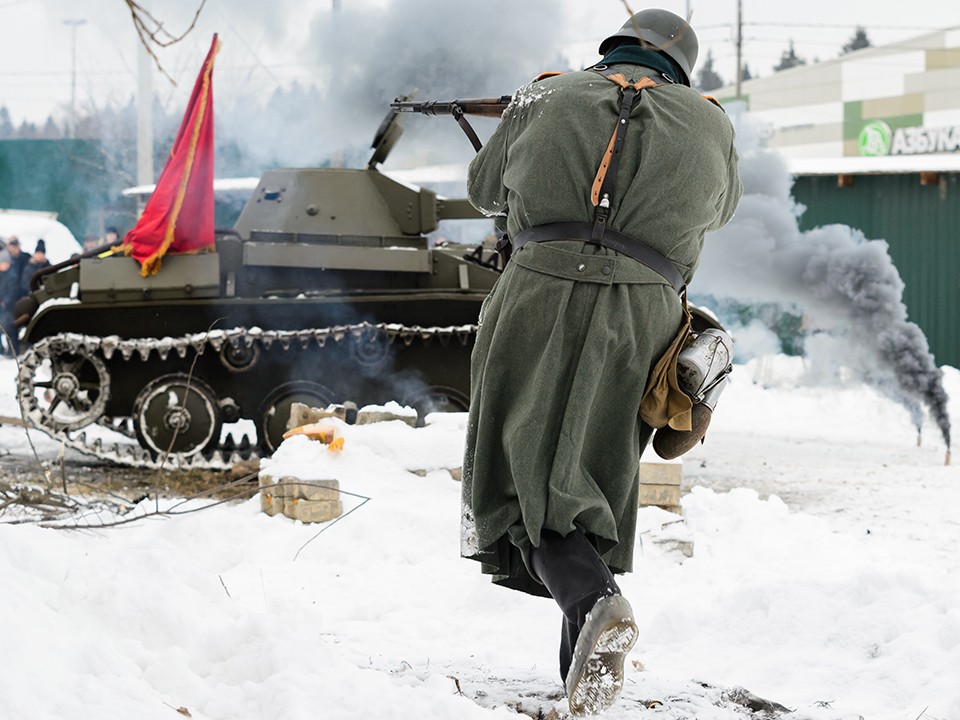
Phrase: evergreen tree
(26, 131)
(857, 42)
(789, 59)
(50, 130)
(708, 79)
(6, 124)
(746, 74)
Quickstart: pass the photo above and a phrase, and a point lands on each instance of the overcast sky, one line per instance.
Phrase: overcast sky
(270, 44)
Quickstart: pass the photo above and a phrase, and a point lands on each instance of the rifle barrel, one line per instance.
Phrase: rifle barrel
(484, 107)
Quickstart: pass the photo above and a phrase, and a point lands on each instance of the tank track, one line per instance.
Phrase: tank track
(91, 347)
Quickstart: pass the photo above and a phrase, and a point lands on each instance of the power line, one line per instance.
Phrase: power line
(253, 53)
(847, 25)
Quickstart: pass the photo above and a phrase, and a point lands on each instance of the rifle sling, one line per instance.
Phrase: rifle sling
(467, 128)
(637, 249)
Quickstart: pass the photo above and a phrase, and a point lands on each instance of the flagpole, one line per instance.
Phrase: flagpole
(144, 119)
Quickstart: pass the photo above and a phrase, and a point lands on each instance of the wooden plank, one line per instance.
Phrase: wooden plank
(660, 473)
(660, 495)
(660, 485)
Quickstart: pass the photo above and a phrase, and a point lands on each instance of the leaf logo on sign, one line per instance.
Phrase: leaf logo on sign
(875, 139)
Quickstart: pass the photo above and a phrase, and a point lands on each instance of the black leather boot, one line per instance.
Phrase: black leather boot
(598, 627)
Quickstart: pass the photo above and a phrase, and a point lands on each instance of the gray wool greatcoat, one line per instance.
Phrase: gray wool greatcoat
(570, 332)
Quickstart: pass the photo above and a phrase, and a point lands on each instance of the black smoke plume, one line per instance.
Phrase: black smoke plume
(845, 285)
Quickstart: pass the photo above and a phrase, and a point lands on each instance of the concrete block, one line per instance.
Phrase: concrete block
(317, 490)
(303, 500)
(279, 487)
(271, 505)
(309, 511)
(301, 414)
(264, 481)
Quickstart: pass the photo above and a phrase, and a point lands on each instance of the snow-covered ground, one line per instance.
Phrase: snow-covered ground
(824, 578)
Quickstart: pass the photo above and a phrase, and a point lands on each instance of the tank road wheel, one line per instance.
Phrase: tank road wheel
(274, 412)
(436, 398)
(177, 414)
(370, 349)
(71, 389)
(238, 357)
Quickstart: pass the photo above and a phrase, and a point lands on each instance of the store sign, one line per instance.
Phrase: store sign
(877, 139)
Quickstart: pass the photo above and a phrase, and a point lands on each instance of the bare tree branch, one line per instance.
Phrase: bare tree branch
(153, 34)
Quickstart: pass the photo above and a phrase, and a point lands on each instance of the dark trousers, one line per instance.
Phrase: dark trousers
(576, 576)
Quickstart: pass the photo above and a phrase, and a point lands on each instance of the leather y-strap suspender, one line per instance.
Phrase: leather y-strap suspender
(605, 183)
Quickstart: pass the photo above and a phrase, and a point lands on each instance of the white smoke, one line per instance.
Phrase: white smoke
(364, 60)
(846, 286)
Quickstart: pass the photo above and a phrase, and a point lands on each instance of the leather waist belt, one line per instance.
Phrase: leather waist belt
(637, 249)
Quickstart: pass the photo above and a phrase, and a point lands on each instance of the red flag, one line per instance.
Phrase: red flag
(178, 217)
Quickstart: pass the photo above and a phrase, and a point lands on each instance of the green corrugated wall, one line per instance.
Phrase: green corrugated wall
(63, 176)
(921, 223)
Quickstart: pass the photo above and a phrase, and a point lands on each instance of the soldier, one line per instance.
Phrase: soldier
(605, 181)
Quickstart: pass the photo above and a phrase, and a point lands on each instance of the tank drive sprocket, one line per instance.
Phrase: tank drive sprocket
(70, 385)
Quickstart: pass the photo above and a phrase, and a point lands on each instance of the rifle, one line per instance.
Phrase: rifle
(484, 107)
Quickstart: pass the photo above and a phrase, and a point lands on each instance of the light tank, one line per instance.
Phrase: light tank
(327, 290)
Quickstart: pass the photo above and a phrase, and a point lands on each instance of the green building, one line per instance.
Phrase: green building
(79, 180)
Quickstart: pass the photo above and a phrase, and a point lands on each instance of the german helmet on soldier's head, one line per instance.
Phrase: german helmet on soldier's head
(662, 31)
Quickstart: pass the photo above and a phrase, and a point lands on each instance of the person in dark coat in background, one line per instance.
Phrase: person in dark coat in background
(6, 318)
(10, 290)
(18, 260)
(624, 155)
(36, 263)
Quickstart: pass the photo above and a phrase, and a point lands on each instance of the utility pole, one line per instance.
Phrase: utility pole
(73, 24)
(336, 159)
(144, 116)
(739, 45)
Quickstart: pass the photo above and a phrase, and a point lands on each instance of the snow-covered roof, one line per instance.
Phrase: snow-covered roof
(874, 165)
(219, 185)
